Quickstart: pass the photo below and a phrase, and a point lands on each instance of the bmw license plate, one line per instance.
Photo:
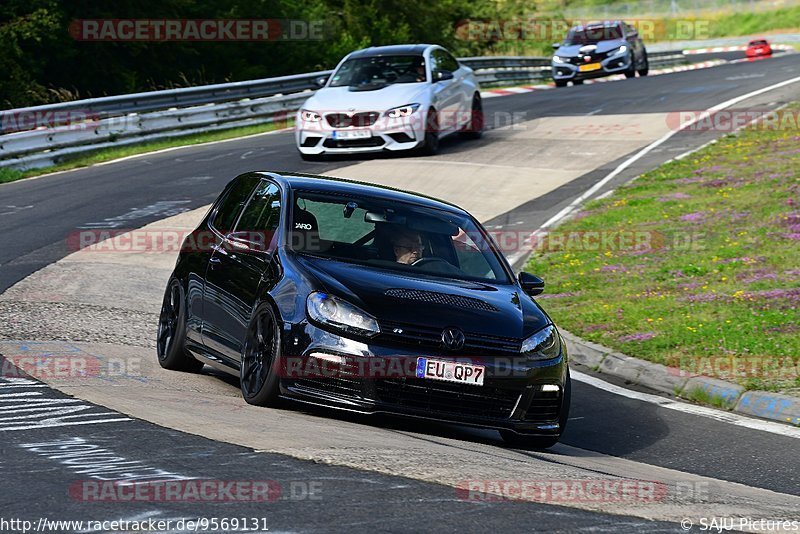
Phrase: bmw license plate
(463, 373)
(590, 67)
(352, 134)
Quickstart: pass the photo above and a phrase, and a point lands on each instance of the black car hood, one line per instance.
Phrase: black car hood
(481, 308)
(602, 48)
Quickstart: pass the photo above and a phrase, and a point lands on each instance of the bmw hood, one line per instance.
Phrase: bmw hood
(601, 47)
(334, 99)
(480, 308)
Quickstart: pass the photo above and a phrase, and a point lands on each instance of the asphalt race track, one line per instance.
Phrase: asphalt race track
(342, 472)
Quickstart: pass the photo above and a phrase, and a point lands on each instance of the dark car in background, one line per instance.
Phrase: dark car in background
(599, 49)
(368, 299)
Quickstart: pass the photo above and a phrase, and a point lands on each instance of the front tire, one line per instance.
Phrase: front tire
(258, 373)
(474, 128)
(646, 69)
(430, 146)
(171, 337)
(631, 72)
(561, 83)
(312, 157)
(521, 441)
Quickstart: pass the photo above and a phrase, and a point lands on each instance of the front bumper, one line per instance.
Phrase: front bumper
(612, 65)
(375, 378)
(406, 133)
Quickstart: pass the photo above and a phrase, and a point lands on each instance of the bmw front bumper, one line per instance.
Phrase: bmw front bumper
(324, 368)
(321, 137)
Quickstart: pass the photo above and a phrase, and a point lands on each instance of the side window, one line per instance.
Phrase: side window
(443, 61)
(450, 62)
(232, 204)
(262, 214)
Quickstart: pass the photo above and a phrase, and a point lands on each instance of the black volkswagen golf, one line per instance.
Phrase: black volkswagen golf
(368, 299)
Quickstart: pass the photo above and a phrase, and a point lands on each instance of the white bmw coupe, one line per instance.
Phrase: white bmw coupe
(390, 98)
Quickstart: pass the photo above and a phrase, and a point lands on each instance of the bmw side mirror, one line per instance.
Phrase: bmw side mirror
(556, 46)
(531, 284)
(441, 75)
(321, 81)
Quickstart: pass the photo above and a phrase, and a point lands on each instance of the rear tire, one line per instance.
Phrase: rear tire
(258, 372)
(474, 128)
(171, 337)
(430, 146)
(521, 441)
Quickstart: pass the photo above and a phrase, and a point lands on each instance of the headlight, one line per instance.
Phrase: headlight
(621, 50)
(402, 111)
(543, 345)
(310, 116)
(558, 59)
(335, 312)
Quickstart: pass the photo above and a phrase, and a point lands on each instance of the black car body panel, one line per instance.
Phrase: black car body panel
(226, 277)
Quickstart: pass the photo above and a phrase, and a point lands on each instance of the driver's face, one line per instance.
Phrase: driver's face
(408, 250)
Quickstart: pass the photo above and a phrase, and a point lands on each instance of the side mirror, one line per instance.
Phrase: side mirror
(531, 284)
(556, 46)
(321, 81)
(441, 75)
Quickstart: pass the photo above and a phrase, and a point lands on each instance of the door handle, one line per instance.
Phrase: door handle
(214, 259)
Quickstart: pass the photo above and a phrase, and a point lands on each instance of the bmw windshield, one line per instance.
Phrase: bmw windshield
(393, 235)
(379, 71)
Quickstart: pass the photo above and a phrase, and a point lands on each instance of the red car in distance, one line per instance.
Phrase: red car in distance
(758, 48)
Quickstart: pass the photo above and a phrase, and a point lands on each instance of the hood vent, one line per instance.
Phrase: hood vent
(433, 297)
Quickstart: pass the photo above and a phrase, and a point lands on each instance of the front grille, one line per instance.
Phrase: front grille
(544, 407)
(427, 337)
(432, 297)
(353, 143)
(446, 398)
(359, 120)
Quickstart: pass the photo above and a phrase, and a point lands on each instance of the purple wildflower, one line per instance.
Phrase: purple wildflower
(639, 336)
(693, 217)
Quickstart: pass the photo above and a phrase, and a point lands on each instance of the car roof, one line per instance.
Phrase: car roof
(600, 24)
(392, 50)
(330, 184)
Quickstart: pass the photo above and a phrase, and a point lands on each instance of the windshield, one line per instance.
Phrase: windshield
(393, 235)
(592, 34)
(379, 71)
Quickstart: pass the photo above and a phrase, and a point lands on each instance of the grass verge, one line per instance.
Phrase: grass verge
(107, 154)
(695, 264)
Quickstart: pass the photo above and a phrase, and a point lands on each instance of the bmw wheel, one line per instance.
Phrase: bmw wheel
(171, 338)
(430, 145)
(474, 128)
(260, 359)
(646, 68)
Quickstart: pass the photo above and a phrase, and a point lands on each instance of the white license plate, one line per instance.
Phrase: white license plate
(352, 134)
(463, 373)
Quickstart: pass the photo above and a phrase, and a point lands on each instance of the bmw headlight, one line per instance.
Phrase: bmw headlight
(402, 111)
(310, 116)
(335, 312)
(543, 345)
(558, 59)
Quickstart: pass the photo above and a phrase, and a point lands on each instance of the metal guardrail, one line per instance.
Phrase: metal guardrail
(125, 119)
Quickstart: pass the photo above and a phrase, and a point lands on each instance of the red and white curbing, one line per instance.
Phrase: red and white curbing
(738, 48)
(490, 93)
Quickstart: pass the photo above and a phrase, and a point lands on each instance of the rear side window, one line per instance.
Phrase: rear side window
(263, 212)
(232, 204)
